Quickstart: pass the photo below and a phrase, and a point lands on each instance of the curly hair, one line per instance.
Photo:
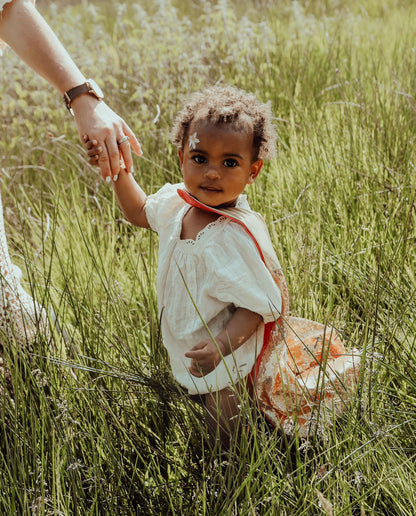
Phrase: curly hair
(228, 105)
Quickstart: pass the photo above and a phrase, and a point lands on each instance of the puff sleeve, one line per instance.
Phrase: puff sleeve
(163, 206)
(240, 276)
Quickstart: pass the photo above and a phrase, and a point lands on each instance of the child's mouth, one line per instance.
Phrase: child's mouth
(211, 188)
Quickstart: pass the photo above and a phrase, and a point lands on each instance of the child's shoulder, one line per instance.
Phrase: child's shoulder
(233, 237)
(163, 205)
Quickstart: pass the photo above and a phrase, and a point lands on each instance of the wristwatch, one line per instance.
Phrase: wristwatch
(90, 87)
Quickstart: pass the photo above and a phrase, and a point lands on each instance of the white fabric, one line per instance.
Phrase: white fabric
(20, 315)
(222, 270)
(3, 3)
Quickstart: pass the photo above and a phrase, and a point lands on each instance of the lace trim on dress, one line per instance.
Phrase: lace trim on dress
(202, 233)
(241, 202)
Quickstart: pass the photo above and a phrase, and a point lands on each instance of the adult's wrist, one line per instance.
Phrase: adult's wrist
(83, 103)
(87, 88)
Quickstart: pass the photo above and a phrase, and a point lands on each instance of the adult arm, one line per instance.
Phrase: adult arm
(27, 33)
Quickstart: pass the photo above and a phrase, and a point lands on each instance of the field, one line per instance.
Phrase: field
(97, 425)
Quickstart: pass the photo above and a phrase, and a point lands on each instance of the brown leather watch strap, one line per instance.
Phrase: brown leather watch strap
(71, 94)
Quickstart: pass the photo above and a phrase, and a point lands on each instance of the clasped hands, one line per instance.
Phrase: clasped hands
(98, 123)
(205, 356)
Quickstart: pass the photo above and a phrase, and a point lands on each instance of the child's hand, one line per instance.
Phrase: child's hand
(93, 151)
(205, 357)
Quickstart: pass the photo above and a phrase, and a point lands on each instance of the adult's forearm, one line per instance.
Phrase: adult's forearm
(28, 34)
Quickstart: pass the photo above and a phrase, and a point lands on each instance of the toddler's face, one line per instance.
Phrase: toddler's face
(217, 163)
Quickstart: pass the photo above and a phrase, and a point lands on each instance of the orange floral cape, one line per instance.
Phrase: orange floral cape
(303, 375)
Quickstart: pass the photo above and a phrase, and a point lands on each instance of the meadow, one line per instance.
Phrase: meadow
(97, 425)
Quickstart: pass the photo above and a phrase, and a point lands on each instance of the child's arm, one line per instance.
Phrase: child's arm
(130, 196)
(206, 355)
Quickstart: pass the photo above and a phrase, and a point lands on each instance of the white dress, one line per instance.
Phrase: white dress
(219, 271)
(20, 315)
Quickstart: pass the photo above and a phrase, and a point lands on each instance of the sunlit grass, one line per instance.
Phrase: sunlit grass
(97, 425)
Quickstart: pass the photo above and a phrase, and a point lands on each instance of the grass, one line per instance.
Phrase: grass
(100, 427)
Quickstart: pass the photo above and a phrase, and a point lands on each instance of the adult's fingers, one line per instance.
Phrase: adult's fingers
(99, 122)
(126, 146)
(99, 156)
(125, 153)
(134, 142)
(112, 162)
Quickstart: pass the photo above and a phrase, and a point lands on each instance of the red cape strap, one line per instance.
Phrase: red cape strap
(268, 327)
(194, 202)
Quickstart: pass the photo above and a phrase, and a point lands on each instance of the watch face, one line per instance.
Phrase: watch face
(95, 88)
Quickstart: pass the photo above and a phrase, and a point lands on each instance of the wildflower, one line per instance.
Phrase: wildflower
(325, 503)
(358, 480)
(193, 140)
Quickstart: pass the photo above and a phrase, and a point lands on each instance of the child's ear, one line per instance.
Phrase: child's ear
(180, 155)
(255, 170)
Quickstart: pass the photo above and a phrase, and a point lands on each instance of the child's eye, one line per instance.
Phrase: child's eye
(199, 159)
(230, 162)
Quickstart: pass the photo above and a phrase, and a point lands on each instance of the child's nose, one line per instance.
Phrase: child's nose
(212, 172)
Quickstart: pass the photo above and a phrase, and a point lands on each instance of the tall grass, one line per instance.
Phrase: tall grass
(97, 425)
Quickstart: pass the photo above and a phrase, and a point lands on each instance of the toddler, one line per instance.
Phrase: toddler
(215, 293)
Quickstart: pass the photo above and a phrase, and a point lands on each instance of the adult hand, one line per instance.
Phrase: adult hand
(96, 121)
(205, 357)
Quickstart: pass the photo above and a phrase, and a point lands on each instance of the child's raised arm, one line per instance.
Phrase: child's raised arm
(130, 197)
(206, 355)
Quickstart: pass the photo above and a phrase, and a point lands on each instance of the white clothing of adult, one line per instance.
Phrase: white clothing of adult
(219, 271)
(20, 314)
